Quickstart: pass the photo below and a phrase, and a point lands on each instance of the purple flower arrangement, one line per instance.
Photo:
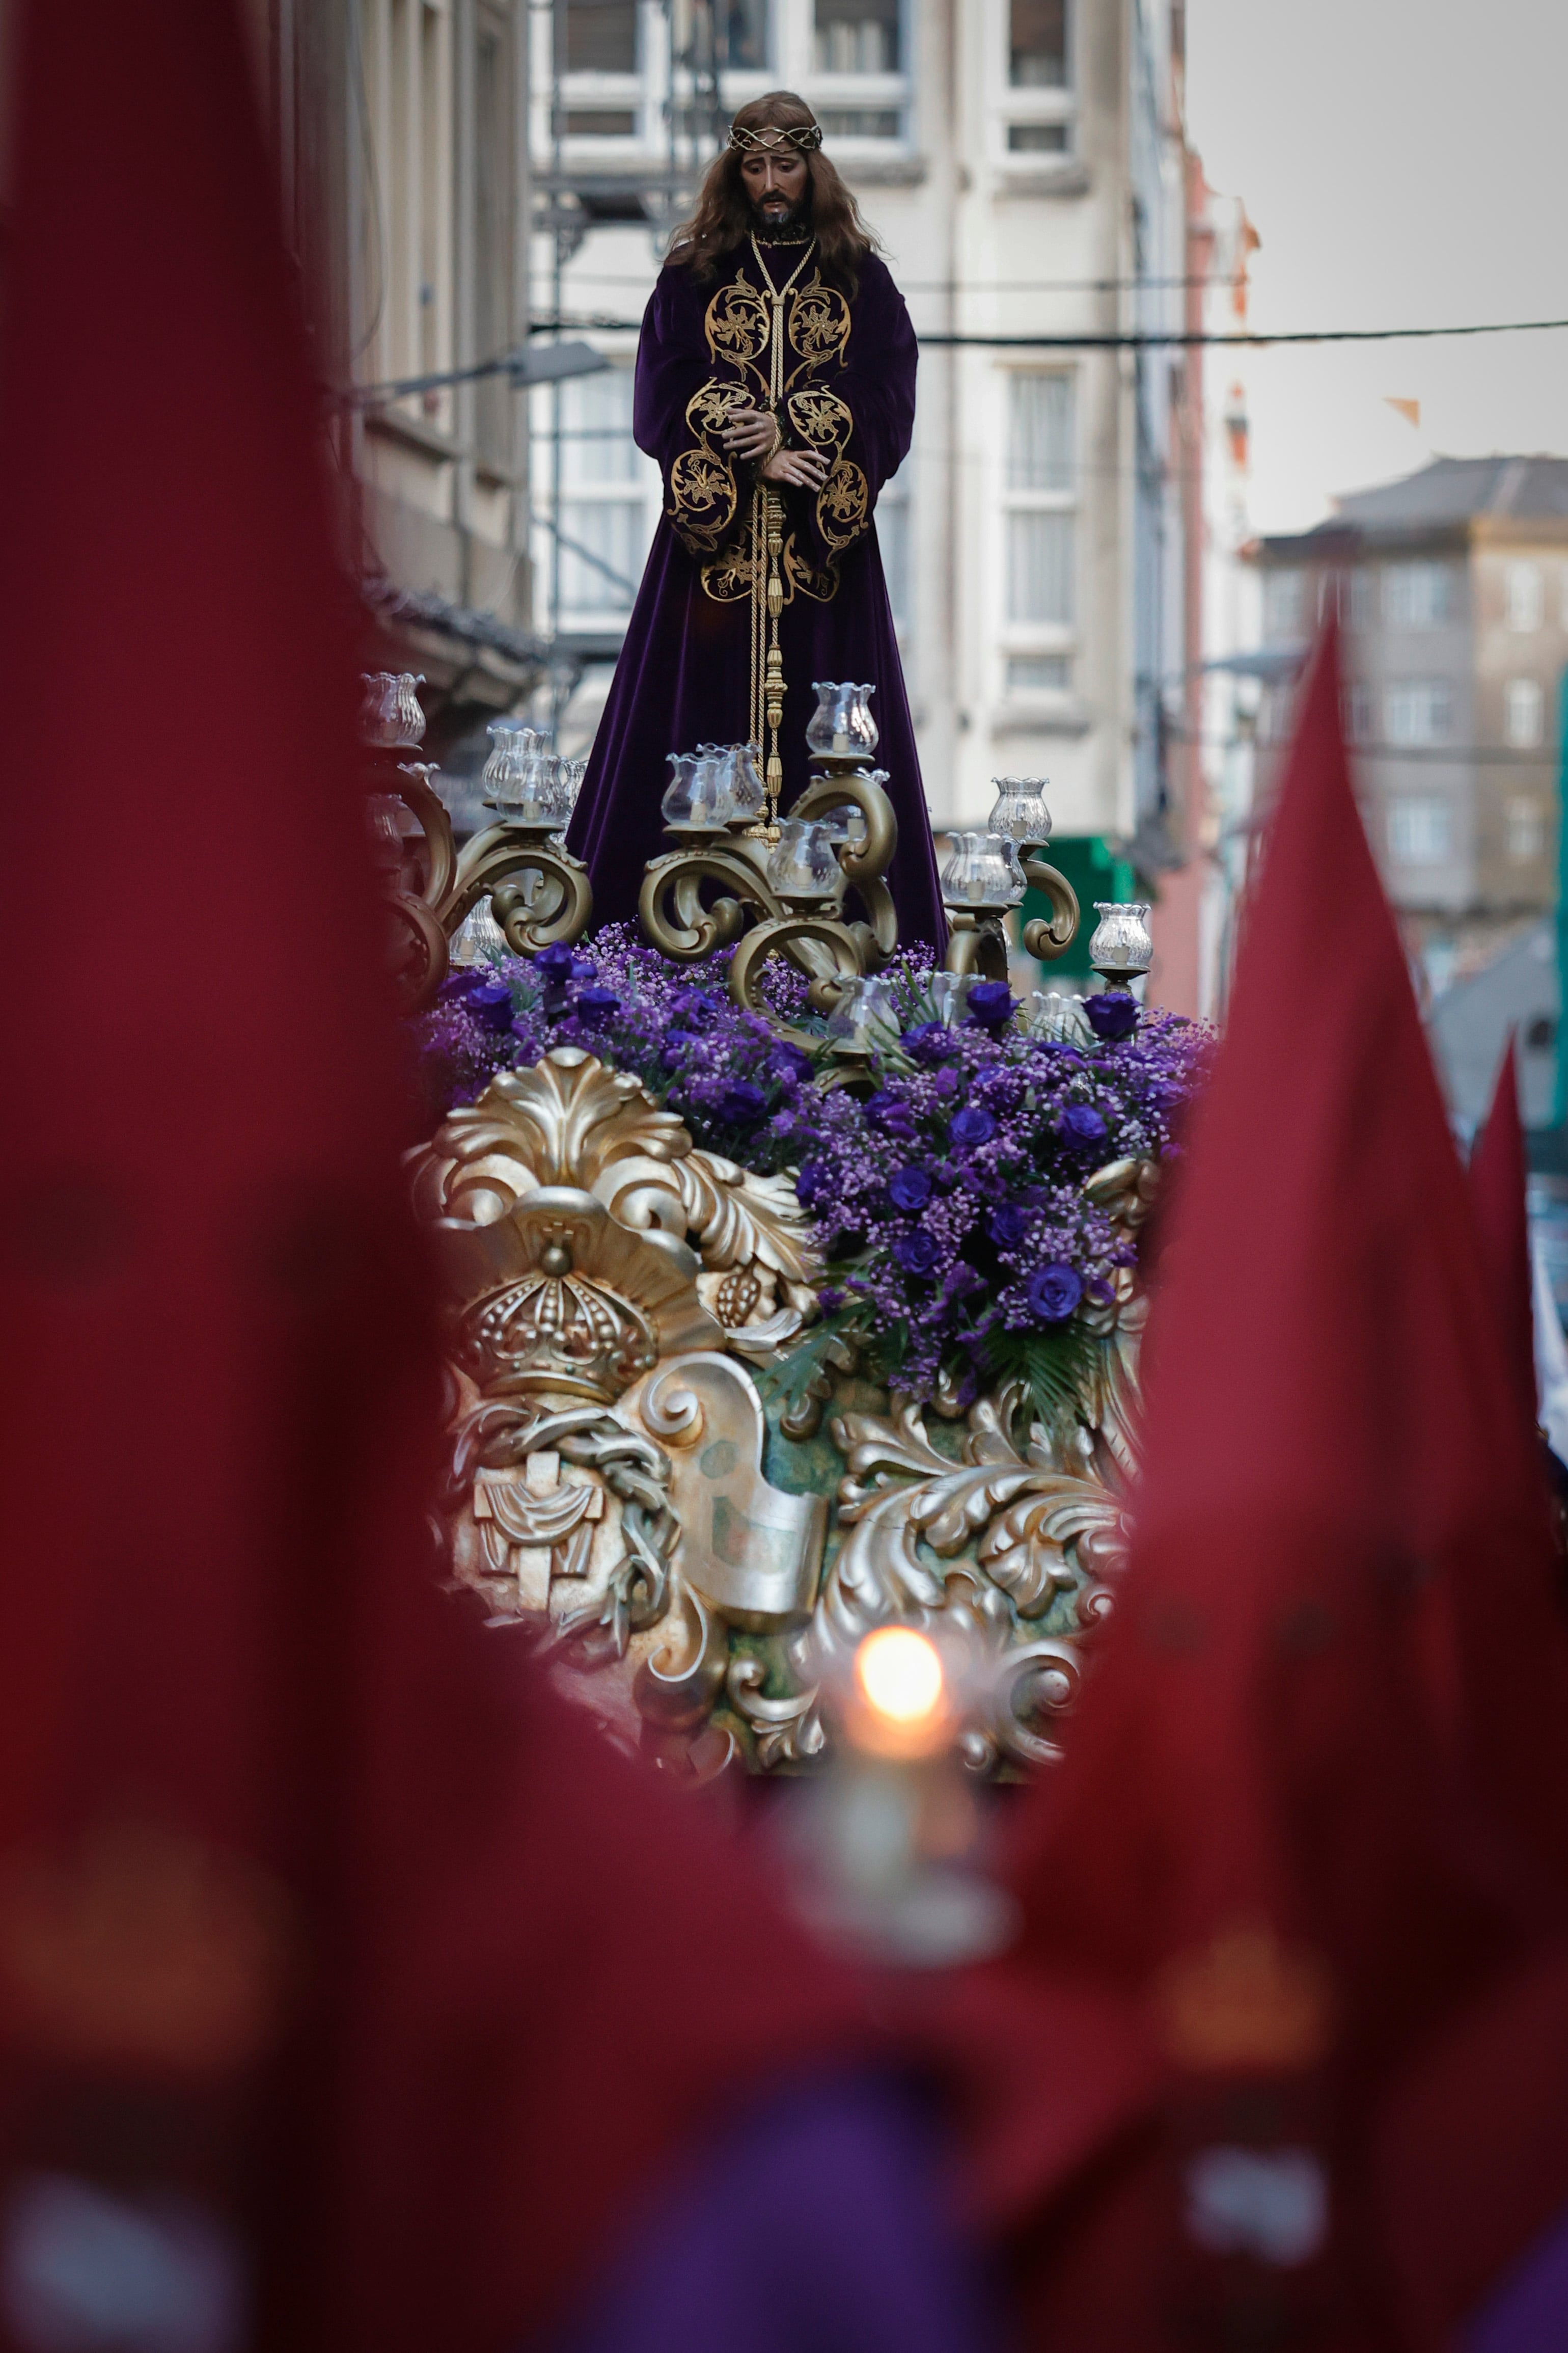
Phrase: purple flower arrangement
(736, 1083)
(949, 1203)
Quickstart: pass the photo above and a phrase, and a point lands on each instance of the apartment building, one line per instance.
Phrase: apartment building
(1023, 162)
(1452, 585)
(398, 131)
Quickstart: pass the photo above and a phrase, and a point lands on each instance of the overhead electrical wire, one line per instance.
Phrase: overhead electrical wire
(1137, 340)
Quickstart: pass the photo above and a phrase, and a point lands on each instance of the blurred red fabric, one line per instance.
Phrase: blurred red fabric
(1498, 1190)
(1305, 1858)
(483, 1974)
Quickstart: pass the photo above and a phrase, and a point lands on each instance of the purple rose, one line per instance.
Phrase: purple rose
(885, 1110)
(1009, 1224)
(1053, 1293)
(928, 1041)
(917, 1251)
(677, 1045)
(743, 1105)
(491, 1005)
(790, 1066)
(811, 1179)
(596, 1004)
(1081, 1124)
(555, 962)
(695, 1007)
(989, 1005)
(1112, 1015)
(972, 1125)
(908, 1189)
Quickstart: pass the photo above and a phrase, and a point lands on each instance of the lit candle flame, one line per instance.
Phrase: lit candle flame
(900, 1679)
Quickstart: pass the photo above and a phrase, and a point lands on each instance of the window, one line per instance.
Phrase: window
(858, 121)
(1281, 607)
(1418, 711)
(1359, 725)
(1041, 476)
(1420, 830)
(600, 36)
(1415, 596)
(741, 31)
(858, 37)
(1037, 138)
(1039, 674)
(1526, 601)
(1360, 607)
(1526, 831)
(1523, 708)
(408, 60)
(603, 515)
(1038, 44)
(893, 540)
(493, 394)
(1040, 452)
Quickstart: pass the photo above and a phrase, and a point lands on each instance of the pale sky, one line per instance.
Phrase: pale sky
(1405, 162)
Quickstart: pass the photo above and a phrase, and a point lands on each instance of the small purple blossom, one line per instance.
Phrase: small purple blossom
(908, 1189)
(1053, 1293)
(812, 1178)
(1112, 1014)
(928, 1041)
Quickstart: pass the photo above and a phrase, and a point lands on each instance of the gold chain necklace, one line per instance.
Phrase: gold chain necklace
(767, 546)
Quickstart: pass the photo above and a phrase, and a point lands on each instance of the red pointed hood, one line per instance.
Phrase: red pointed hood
(1291, 1841)
(313, 1907)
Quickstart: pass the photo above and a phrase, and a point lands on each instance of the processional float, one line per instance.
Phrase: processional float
(703, 1552)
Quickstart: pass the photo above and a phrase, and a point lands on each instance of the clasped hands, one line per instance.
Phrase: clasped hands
(751, 431)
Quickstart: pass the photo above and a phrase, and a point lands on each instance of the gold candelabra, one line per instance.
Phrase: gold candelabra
(538, 892)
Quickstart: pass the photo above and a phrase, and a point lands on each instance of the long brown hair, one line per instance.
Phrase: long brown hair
(723, 219)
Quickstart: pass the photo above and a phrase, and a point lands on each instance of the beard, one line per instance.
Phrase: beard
(780, 219)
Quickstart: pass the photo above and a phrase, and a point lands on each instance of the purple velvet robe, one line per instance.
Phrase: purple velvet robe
(684, 674)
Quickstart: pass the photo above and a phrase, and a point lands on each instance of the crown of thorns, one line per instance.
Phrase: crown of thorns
(804, 136)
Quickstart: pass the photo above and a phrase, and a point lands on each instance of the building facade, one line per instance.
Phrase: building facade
(1452, 586)
(1023, 162)
(398, 127)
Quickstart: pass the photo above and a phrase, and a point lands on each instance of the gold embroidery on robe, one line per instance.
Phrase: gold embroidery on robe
(704, 493)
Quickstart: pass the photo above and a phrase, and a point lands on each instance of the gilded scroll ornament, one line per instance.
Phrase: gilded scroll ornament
(616, 1481)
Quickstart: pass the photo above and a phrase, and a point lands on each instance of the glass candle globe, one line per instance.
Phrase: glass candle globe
(802, 865)
(478, 938)
(842, 723)
(1019, 810)
(391, 714)
(977, 873)
(1121, 947)
(747, 790)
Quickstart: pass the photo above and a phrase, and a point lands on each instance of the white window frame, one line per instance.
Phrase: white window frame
(1524, 714)
(851, 93)
(1526, 829)
(1408, 815)
(642, 489)
(1037, 637)
(1526, 595)
(1044, 105)
(1272, 577)
(1406, 728)
(1406, 599)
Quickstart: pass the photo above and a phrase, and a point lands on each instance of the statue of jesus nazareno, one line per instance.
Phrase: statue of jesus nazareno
(776, 386)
